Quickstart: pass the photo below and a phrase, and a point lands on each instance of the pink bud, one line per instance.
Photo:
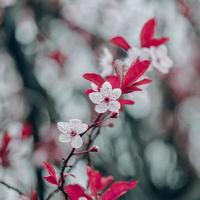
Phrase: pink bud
(94, 148)
(115, 115)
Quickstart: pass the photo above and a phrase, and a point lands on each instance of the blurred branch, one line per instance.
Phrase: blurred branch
(25, 69)
(12, 187)
(52, 194)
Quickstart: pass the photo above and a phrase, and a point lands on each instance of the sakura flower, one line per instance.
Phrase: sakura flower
(106, 98)
(135, 53)
(160, 59)
(71, 132)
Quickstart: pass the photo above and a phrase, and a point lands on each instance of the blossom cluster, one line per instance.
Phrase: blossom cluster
(108, 93)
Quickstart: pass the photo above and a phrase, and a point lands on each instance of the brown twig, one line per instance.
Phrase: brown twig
(12, 188)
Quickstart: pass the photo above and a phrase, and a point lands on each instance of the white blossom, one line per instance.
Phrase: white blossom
(70, 132)
(137, 53)
(159, 59)
(106, 98)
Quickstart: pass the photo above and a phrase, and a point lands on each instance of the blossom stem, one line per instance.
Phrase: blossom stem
(52, 194)
(12, 187)
(61, 187)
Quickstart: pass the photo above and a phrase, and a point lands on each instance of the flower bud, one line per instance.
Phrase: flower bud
(94, 148)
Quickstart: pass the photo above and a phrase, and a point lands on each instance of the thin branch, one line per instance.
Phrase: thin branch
(12, 187)
(52, 194)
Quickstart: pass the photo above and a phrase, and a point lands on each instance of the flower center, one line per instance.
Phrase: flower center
(106, 99)
(73, 133)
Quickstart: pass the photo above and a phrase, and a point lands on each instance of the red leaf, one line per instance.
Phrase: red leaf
(158, 42)
(49, 168)
(26, 131)
(135, 72)
(96, 181)
(147, 32)
(4, 151)
(34, 195)
(94, 78)
(58, 56)
(51, 179)
(5, 140)
(120, 42)
(113, 80)
(143, 82)
(130, 89)
(126, 102)
(76, 191)
(88, 91)
(118, 189)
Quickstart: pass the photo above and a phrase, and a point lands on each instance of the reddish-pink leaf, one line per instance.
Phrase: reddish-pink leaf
(130, 89)
(97, 182)
(147, 32)
(94, 78)
(113, 80)
(49, 168)
(88, 91)
(158, 42)
(51, 179)
(120, 42)
(34, 195)
(6, 140)
(4, 150)
(126, 102)
(26, 131)
(118, 189)
(76, 191)
(58, 56)
(135, 72)
(142, 82)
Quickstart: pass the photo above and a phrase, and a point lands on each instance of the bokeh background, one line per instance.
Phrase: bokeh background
(46, 46)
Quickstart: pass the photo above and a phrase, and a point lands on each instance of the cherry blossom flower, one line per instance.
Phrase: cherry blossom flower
(100, 187)
(125, 81)
(160, 59)
(106, 98)
(71, 132)
(135, 53)
(151, 48)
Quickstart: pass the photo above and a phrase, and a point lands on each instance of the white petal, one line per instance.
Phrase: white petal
(145, 54)
(74, 123)
(64, 138)
(101, 108)
(82, 128)
(116, 93)
(96, 97)
(167, 62)
(63, 127)
(162, 50)
(76, 142)
(106, 89)
(82, 198)
(114, 106)
(94, 87)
